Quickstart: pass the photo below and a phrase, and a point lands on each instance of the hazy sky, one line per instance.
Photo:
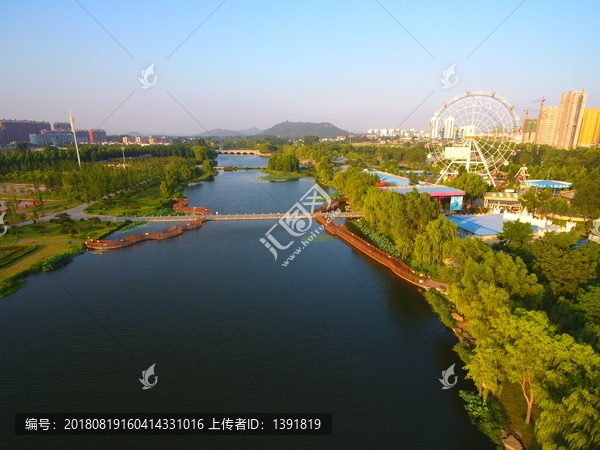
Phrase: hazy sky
(257, 63)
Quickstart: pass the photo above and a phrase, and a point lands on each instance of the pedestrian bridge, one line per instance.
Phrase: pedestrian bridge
(277, 216)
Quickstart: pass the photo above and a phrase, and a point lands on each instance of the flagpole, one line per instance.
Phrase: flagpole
(72, 121)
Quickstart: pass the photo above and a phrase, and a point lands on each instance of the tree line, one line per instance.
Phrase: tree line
(532, 308)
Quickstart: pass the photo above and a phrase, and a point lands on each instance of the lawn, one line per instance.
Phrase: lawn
(129, 204)
(514, 404)
(48, 243)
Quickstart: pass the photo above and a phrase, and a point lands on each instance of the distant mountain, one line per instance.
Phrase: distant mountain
(220, 132)
(301, 129)
(134, 134)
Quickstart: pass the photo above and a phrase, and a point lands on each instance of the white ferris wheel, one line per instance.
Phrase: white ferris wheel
(477, 131)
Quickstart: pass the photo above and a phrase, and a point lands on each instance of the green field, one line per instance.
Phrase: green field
(49, 242)
(130, 203)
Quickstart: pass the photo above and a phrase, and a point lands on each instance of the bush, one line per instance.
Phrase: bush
(464, 352)
(377, 239)
(61, 259)
(441, 306)
(16, 252)
(489, 418)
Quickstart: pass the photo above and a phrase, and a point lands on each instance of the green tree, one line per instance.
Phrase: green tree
(557, 262)
(413, 179)
(208, 165)
(436, 241)
(94, 221)
(570, 401)
(520, 348)
(167, 189)
(21, 147)
(587, 197)
(495, 283)
(14, 216)
(555, 205)
(516, 234)
(284, 163)
(62, 218)
(472, 184)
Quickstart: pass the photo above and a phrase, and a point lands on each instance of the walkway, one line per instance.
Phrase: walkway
(180, 205)
(394, 264)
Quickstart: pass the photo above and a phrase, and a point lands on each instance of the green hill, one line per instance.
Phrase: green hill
(301, 129)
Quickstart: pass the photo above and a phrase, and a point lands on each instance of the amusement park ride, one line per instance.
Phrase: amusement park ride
(477, 131)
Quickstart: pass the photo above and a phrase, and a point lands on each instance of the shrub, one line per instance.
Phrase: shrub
(9, 254)
(489, 418)
(441, 306)
(61, 259)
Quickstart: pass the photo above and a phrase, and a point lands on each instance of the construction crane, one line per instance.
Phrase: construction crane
(537, 129)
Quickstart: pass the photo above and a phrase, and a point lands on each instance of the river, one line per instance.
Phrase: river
(231, 330)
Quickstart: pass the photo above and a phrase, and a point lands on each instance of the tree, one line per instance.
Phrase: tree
(472, 184)
(62, 218)
(557, 261)
(389, 166)
(167, 189)
(516, 234)
(520, 348)
(284, 163)
(43, 226)
(208, 165)
(413, 179)
(436, 241)
(310, 140)
(587, 197)
(570, 401)
(489, 284)
(555, 205)
(14, 216)
(94, 221)
(21, 147)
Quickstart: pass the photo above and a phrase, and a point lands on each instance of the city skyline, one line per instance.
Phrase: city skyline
(236, 66)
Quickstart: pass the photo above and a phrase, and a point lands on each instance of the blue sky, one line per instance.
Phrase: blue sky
(257, 63)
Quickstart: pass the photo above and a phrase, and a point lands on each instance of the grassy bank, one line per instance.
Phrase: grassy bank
(278, 176)
(143, 201)
(48, 243)
(505, 412)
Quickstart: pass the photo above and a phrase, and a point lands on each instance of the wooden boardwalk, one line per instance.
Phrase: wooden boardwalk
(180, 205)
(394, 264)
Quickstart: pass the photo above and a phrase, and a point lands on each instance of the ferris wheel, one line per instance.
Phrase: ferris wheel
(477, 131)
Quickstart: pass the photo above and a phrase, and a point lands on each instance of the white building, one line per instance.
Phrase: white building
(434, 127)
(449, 128)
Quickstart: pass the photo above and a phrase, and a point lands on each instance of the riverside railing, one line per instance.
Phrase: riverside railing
(394, 264)
(176, 230)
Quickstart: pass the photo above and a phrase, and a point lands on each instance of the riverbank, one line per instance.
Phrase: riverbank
(501, 417)
(48, 242)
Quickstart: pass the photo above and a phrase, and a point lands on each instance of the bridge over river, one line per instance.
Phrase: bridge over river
(264, 216)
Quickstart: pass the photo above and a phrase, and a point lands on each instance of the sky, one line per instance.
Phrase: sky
(239, 64)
